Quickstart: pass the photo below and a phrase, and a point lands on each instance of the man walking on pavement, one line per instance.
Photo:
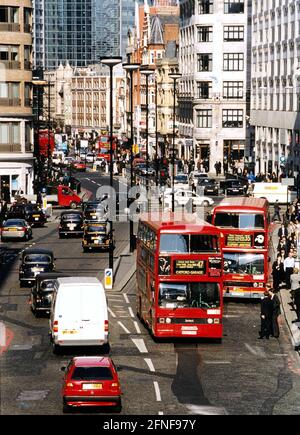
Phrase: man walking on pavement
(289, 265)
(275, 313)
(277, 209)
(266, 316)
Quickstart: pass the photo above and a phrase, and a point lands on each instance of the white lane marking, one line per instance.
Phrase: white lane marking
(33, 395)
(217, 362)
(130, 311)
(137, 327)
(255, 350)
(206, 410)
(2, 334)
(160, 413)
(124, 327)
(21, 347)
(94, 182)
(119, 306)
(232, 316)
(126, 298)
(157, 391)
(150, 364)
(140, 344)
(112, 313)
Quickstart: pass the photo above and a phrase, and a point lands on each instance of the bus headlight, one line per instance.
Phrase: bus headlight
(210, 321)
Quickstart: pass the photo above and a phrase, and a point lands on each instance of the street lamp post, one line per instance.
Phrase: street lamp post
(111, 62)
(131, 67)
(146, 71)
(174, 77)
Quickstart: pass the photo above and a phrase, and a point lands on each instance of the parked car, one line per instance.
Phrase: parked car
(233, 187)
(182, 197)
(15, 229)
(91, 381)
(33, 262)
(32, 213)
(79, 314)
(71, 223)
(209, 185)
(96, 236)
(41, 292)
(195, 176)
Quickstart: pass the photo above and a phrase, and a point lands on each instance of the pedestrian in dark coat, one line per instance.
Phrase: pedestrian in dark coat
(266, 316)
(296, 298)
(283, 231)
(277, 209)
(277, 273)
(275, 313)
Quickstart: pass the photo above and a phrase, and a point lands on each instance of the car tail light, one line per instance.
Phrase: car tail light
(55, 326)
(106, 326)
(115, 384)
(70, 385)
(21, 229)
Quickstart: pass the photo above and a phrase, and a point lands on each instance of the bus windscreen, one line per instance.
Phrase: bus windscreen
(188, 244)
(189, 295)
(246, 264)
(240, 221)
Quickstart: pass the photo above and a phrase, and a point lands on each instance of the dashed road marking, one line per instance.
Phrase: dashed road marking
(255, 350)
(160, 413)
(131, 312)
(112, 313)
(21, 347)
(206, 410)
(140, 344)
(217, 362)
(126, 298)
(150, 364)
(33, 395)
(124, 327)
(157, 391)
(137, 327)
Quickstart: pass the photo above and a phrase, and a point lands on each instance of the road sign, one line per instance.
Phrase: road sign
(288, 181)
(108, 279)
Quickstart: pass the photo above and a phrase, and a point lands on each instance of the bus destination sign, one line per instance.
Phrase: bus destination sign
(239, 241)
(190, 267)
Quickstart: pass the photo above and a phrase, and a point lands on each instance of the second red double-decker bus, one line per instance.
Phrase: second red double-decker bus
(179, 277)
(244, 223)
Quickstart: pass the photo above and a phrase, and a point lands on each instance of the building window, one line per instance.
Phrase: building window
(205, 62)
(233, 7)
(233, 90)
(204, 90)
(205, 34)
(204, 118)
(233, 62)
(27, 20)
(206, 7)
(10, 94)
(10, 133)
(233, 118)
(233, 33)
(9, 19)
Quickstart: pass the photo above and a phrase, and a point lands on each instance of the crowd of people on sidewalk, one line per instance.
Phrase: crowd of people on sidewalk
(285, 274)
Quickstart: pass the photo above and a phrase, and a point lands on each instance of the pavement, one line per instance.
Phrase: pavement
(287, 308)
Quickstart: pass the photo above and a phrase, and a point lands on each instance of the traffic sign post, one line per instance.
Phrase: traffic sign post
(287, 182)
(108, 279)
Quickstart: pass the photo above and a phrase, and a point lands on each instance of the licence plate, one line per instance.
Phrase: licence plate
(92, 386)
(12, 229)
(36, 215)
(37, 269)
(71, 226)
(66, 331)
(36, 219)
(94, 216)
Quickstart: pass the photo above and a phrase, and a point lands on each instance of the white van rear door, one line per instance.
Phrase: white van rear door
(93, 314)
(68, 314)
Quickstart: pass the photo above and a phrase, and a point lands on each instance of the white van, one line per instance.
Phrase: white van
(273, 192)
(79, 315)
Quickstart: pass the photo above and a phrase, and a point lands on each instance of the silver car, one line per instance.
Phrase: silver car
(16, 229)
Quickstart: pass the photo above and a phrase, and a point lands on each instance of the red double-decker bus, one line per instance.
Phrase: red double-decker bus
(179, 277)
(245, 224)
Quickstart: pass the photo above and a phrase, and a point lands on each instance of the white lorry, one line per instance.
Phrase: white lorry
(273, 192)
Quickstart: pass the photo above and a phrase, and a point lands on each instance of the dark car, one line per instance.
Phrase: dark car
(15, 229)
(41, 293)
(94, 211)
(209, 185)
(233, 187)
(33, 262)
(96, 236)
(71, 223)
(33, 214)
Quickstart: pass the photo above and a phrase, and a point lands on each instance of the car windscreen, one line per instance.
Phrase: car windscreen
(37, 258)
(14, 223)
(239, 220)
(96, 228)
(189, 295)
(32, 208)
(188, 243)
(47, 285)
(92, 374)
(181, 179)
(71, 217)
(95, 207)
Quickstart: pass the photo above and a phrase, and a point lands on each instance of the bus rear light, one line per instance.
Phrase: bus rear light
(261, 284)
(161, 320)
(217, 321)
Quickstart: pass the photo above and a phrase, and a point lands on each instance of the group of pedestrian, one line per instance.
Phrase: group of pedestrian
(270, 310)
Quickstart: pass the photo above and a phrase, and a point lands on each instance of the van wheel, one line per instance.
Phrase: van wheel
(55, 349)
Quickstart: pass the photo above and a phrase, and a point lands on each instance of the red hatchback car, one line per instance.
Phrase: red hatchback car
(79, 166)
(91, 381)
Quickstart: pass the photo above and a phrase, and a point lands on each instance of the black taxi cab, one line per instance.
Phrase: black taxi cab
(96, 236)
(33, 262)
(71, 223)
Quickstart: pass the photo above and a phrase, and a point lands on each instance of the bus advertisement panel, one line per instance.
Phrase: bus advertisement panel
(179, 277)
(244, 223)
